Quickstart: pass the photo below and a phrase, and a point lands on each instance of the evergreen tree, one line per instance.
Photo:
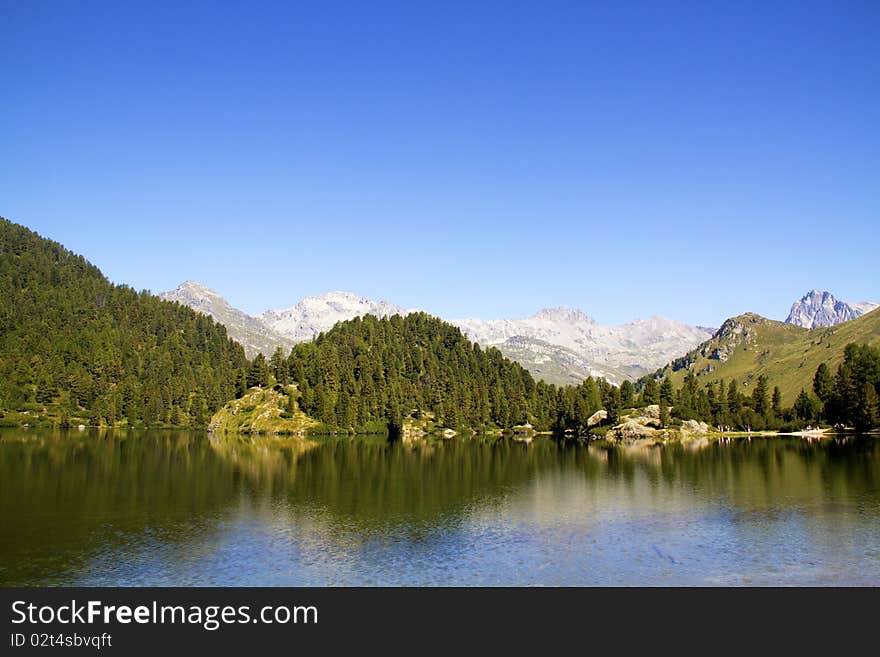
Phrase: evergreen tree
(370, 370)
(823, 383)
(804, 408)
(258, 373)
(734, 401)
(650, 393)
(759, 396)
(776, 403)
(279, 368)
(868, 412)
(667, 394)
(850, 398)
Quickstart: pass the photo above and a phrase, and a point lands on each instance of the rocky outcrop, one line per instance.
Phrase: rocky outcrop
(263, 411)
(631, 430)
(646, 426)
(694, 427)
(596, 418)
(732, 333)
(652, 411)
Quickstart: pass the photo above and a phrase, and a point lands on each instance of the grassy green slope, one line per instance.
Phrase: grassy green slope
(750, 345)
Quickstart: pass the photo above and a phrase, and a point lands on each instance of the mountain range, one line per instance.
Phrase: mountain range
(562, 345)
(559, 345)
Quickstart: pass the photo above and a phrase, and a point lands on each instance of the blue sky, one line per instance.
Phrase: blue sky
(692, 160)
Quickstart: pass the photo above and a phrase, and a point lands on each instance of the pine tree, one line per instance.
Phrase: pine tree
(776, 404)
(258, 374)
(868, 415)
(278, 365)
(803, 406)
(650, 394)
(759, 396)
(667, 394)
(823, 383)
(93, 352)
(734, 401)
(627, 394)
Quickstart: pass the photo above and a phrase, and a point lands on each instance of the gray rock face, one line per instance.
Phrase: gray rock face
(693, 426)
(733, 332)
(254, 335)
(819, 308)
(313, 315)
(563, 345)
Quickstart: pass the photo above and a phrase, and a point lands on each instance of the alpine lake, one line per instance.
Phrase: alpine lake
(174, 508)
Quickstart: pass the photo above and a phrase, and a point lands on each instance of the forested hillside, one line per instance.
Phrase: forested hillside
(76, 348)
(370, 371)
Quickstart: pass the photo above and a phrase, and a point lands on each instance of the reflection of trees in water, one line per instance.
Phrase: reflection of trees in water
(158, 472)
(373, 480)
(266, 463)
(64, 495)
(762, 473)
(369, 480)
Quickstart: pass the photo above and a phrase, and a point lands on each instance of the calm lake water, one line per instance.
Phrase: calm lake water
(183, 508)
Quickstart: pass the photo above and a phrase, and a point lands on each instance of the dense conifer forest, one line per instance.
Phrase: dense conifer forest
(369, 371)
(76, 348)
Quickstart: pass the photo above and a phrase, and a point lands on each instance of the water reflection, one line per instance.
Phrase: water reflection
(169, 508)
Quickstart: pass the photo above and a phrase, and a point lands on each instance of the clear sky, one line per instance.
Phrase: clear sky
(692, 160)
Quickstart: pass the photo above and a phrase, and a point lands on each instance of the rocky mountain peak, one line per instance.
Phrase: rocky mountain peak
(255, 336)
(564, 314)
(315, 314)
(194, 294)
(821, 308)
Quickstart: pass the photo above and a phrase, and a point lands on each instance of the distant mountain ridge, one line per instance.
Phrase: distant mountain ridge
(251, 332)
(316, 314)
(560, 345)
(819, 308)
(571, 341)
